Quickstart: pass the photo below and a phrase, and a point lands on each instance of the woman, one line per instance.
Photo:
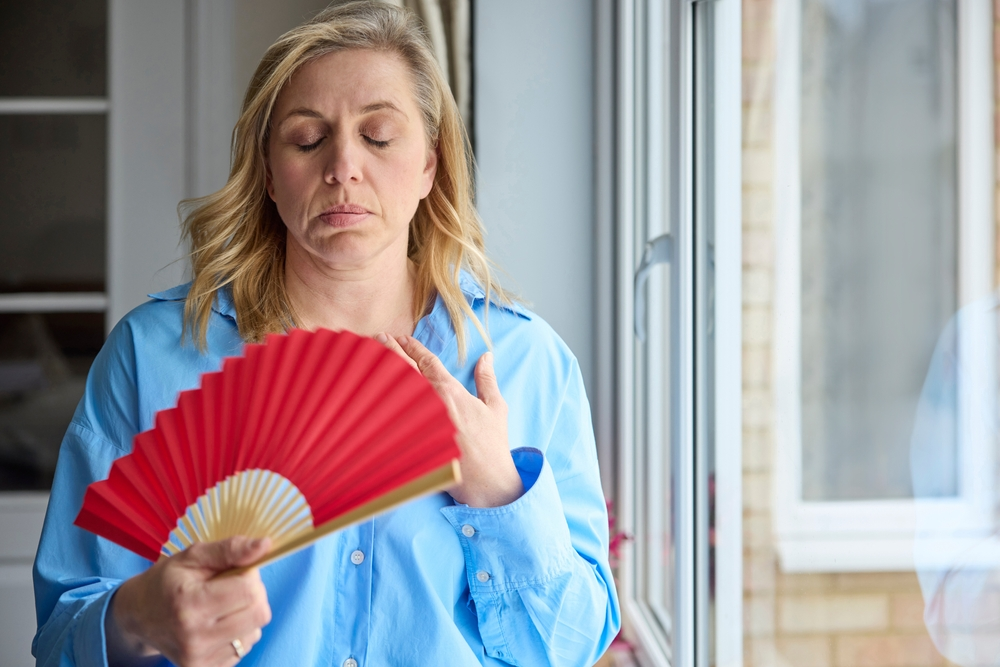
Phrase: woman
(348, 207)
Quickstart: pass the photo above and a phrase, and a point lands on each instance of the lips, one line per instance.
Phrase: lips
(344, 215)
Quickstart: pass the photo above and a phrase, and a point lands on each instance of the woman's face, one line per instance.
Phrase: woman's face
(348, 159)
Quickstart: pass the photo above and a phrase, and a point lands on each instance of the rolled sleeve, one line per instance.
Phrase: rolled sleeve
(520, 544)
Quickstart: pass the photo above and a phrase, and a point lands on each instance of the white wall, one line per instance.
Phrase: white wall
(534, 135)
(256, 25)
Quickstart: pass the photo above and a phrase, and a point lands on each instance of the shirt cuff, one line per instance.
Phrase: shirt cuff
(89, 641)
(524, 543)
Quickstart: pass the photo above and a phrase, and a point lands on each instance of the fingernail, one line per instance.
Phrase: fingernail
(382, 338)
(489, 359)
(403, 340)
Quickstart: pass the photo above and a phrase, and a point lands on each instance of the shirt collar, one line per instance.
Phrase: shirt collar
(223, 303)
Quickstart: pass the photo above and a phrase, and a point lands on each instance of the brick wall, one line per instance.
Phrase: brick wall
(815, 620)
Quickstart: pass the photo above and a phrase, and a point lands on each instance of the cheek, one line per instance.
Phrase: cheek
(409, 182)
(289, 185)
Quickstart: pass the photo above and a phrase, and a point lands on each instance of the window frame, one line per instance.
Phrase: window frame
(619, 198)
(877, 535)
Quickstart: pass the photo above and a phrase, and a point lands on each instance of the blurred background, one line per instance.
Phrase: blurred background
(766, 228)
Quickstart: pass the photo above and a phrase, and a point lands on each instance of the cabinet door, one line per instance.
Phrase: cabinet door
(92, 166)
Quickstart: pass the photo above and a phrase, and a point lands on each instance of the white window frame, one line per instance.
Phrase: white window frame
(877, 535)
(616, 229)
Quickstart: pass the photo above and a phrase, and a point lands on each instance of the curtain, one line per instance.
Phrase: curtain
(449, 25)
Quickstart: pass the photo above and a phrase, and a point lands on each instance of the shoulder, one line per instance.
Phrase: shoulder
(519, 336)
(540, 379)
(145, 361)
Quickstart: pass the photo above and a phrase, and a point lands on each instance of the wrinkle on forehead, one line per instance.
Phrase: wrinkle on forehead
(378, 76)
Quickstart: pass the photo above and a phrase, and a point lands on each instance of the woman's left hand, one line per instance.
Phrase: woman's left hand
(489, 476)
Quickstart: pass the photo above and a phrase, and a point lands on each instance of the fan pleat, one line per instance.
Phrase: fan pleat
(284, 374)
(303, 434)
(126, 478)
(148, 442)
(263, 391)
(232, 371)
(367, 480)
(353, 439)
(211, 384)
(109, 508)
(189, 422)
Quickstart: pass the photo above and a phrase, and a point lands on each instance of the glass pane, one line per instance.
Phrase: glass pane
(654, 368)
(879, 232)
(44, 360)
(52, 203)
(56, 48)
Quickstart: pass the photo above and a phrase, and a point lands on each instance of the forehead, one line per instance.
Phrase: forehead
(349, 81)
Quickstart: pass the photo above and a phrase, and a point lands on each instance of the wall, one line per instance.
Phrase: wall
(534, 136)
(256, 25)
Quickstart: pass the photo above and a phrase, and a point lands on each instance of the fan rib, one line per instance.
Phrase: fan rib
(438, 479)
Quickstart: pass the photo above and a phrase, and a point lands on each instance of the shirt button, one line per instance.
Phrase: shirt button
(357, 558)
(483, 576)
(351, 662)
(468, 530)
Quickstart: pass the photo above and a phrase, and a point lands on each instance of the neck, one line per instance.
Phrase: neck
(368, 300)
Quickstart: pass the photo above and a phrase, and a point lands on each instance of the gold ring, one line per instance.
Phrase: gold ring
(238, 647)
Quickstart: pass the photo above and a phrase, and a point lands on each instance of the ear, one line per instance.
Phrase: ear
(430, 170)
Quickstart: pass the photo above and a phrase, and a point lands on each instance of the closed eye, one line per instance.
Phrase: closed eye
(374, 142)
(309, 147)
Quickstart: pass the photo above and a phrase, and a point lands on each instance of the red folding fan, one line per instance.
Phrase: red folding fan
(303, 435)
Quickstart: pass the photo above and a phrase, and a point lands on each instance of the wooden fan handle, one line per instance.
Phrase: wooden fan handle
(436, 480)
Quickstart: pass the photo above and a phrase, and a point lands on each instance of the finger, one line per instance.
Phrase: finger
(228, 595)
(239, 624)
(224, 652)
(427, 363)
(391, 343)
(486, 382)
(225, 554)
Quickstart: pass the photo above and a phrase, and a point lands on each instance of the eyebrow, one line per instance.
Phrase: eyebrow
(379, 106)
(368, 108)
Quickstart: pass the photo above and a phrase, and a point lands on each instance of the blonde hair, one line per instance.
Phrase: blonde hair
(237, 238)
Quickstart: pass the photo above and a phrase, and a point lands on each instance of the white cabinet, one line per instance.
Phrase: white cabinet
(132, 116)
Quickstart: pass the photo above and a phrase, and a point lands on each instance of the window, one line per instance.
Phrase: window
(53, 139)
(671, 212)
(884, 184)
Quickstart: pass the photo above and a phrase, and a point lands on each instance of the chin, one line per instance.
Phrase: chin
(344, 254)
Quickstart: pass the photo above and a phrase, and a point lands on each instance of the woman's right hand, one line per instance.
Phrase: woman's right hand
(178, 609)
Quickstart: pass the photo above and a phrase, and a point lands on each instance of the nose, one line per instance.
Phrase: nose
(344, 162)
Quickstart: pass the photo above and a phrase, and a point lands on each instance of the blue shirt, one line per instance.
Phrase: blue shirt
(440, 583)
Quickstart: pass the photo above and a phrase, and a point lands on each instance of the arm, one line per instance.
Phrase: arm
(536, 551)
(75, 573)
(98, 603)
